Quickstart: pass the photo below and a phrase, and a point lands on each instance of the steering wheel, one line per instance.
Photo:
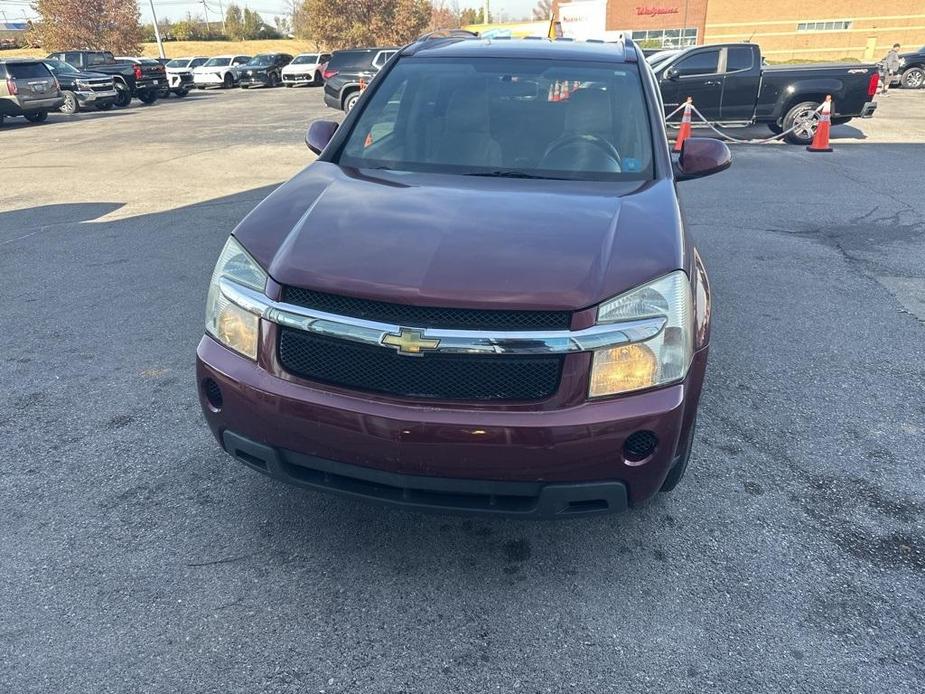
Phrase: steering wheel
(595, 143)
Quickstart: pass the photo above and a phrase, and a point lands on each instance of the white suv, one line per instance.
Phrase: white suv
(220, 71)
(305, 69)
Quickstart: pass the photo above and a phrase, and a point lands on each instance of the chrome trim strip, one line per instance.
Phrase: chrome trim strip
(451, 341)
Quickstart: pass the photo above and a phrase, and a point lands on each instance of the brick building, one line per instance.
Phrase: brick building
(785, 29)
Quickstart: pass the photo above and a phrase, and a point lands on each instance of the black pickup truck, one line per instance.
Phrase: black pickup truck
(730, 84)
(131, 79)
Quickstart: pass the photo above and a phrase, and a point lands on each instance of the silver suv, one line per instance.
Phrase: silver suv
(28, 89)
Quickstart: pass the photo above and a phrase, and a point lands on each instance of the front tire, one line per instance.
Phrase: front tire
(124, 95)
(676, 473)
(180, 93)
(775, 128)
(36, 117)
(228, 82)
(351, 102)
(804, 119)
(913, 78)
(71, 105)
(319, 80)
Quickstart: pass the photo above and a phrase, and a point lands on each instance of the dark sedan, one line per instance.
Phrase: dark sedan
(264, 70)
(481, 297)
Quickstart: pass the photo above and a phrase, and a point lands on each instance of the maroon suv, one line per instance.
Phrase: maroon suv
(481, 297)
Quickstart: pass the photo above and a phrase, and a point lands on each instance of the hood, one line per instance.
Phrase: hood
(465, 241)
(88, 76)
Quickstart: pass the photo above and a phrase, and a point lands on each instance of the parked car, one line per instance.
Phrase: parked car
(27, 89)
(130, 79)
(264, 70)
(180, 74)
(728, 83)
(347, 69)
(220, 71)
(515, 319)
(154, 68)
(911, 69)
(82, 90)
(305, 68)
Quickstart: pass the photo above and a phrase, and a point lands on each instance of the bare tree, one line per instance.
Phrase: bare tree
(543, 10)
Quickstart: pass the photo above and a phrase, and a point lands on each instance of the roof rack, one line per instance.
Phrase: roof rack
(447, 34)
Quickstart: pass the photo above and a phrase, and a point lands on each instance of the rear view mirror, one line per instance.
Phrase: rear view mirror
(702, 156)
(672, 73)
(319, 135)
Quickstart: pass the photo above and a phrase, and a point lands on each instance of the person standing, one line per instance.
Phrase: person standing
(890, 66)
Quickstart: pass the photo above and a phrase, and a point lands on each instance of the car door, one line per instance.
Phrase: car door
(741, 81)
(696, 75)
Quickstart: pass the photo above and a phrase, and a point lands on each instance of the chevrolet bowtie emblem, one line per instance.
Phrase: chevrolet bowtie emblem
(408, 341)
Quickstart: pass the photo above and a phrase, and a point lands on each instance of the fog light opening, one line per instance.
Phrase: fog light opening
(212, 393)
(639, 446)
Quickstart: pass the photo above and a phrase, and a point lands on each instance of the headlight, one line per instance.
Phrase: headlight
(82, 85)
(663, 359)
(227, 322)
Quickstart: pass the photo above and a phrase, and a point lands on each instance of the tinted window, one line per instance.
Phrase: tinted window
(310, 58)
(739, 58)
(58, 66)
(27, 71)
(197, 62)
(344, 60)
(702, 63)
(510, 116)
(217, 62)
(99, 58)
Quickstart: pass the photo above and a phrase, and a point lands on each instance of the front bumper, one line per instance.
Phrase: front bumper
(97, 98)
(257, 80)
(868, 110)
(292, 78)
(208, 80)
(550, 462)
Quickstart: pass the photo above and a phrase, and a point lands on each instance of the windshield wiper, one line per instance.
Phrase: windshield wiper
(512, 174)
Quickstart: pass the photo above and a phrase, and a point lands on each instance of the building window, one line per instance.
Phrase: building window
(824, 26)
(665, 38)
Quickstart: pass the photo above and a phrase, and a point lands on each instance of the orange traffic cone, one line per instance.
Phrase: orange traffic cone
(552, 92)
(685, 131)
(369, 139)
(565, 91)
(362, 85)
(557, 94)
(821, 138)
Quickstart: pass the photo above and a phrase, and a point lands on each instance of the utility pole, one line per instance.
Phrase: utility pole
(486, 12)
(157, 32)
(205, 10)
(221, 8)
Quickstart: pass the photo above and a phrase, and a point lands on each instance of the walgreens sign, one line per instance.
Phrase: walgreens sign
(650, 11)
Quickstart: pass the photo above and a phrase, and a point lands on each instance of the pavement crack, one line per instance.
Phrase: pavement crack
(226, 560)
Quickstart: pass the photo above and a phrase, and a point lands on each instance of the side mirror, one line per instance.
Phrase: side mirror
(702, 156)
(319, 135)
(672, 73)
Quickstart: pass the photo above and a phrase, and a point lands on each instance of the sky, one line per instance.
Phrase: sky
(177, 9)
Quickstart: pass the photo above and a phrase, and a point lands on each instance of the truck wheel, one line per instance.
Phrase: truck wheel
(351, 102)
(149, 96)
(680, 466)
(228, 82)
(123, 95)
(803, 118)
(36, 117)
(70, 105)
(775, 128)
(913, 78)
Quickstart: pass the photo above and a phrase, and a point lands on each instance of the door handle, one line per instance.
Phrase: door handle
(711, 83)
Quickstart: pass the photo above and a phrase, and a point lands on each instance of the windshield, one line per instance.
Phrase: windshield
(62, 67)
(302, 59)
(217, 62)
(506, 117)
(259, 60)
(177, 63)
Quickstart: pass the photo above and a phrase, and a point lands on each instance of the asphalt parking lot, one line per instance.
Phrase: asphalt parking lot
(136, 556)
